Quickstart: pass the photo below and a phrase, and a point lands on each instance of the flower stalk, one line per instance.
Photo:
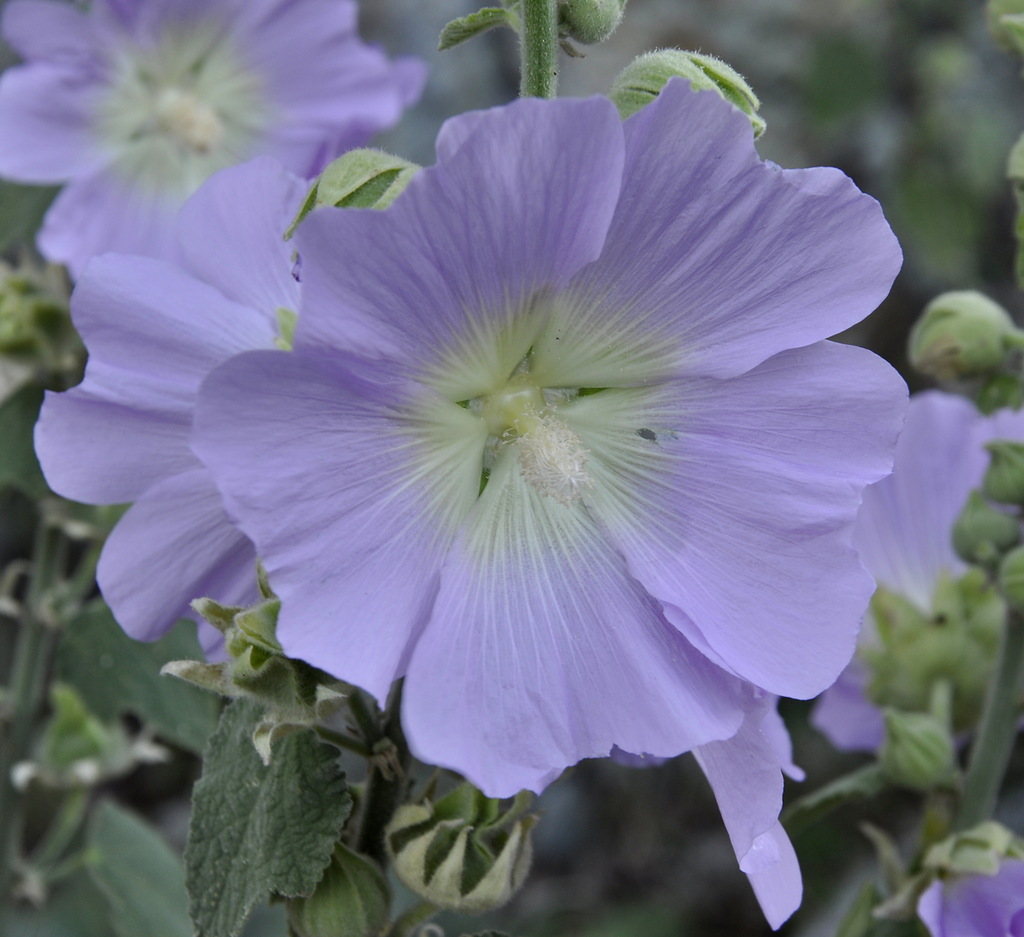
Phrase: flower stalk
(539, 49)
(997, 731)
(25, 692)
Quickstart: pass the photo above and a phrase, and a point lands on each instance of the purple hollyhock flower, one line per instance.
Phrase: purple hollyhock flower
(135, 102)
(154, 330)
(904, 534)
(976, 905)
(560, 440)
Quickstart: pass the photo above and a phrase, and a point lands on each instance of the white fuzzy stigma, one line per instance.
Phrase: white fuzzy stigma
(552, 459)
(186, 118)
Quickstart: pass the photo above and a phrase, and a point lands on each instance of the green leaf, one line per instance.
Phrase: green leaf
(139, 874)
(75, 908)
(469, 26)
(862, 783)
(259, 829)
(18, 464)
(115, 674)
(21, 211)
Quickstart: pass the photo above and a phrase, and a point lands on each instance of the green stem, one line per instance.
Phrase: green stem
(25, 695)
(539, 49)
(990, 753)
(342, 741)
(386, 785)
(62, 831)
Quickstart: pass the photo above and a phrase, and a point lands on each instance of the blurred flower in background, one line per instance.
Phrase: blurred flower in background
(927, 624)
(133, 104)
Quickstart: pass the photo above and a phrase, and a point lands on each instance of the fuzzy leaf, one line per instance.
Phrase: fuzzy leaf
(469, 26)
(139, 874)
(257, 829)
(115, 674)
(18, 464)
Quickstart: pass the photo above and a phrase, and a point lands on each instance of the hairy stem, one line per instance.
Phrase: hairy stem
(539, 49)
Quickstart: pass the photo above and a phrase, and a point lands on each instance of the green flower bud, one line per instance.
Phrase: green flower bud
(589, 21)
(351, 900)
(982, 533)
(641, 81)
(977, 851)
(918, 751)
(1004, 477)
(463, 853)
(360, 178)
(961, 334)
(1011, 578)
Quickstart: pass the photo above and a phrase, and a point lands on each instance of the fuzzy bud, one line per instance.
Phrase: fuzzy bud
(641, 81)
(961, 334)
(351, 900)
(918, 751)
(982, 534)
(589, 21)
(1011, 578)
(1004, 477)
(463, 853)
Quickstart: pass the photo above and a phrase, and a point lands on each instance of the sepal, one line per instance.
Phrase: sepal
(1004, 477)
(360, 178)
(641, 81)
(295, 695)
(351, 900)
(918, 751)
(466, 852)
(982, 534)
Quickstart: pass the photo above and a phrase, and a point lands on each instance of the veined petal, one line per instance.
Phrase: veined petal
(351, 499)
(778, 887)
(903, 527)
(177, 540)
(47, 29)
(98, 213)
(745, 773)
(716, 260)
(448, 276)
(44, 112)
(126, 425)
(976, 905)
(846, 716)
(733, 502)
(230, 234)
(539, 626)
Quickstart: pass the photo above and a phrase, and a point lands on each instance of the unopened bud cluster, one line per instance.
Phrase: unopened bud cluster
(953, 646)
(35, 329)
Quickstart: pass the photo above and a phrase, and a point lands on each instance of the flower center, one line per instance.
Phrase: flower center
(183, 116)
(552, 457)
(175, 113)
